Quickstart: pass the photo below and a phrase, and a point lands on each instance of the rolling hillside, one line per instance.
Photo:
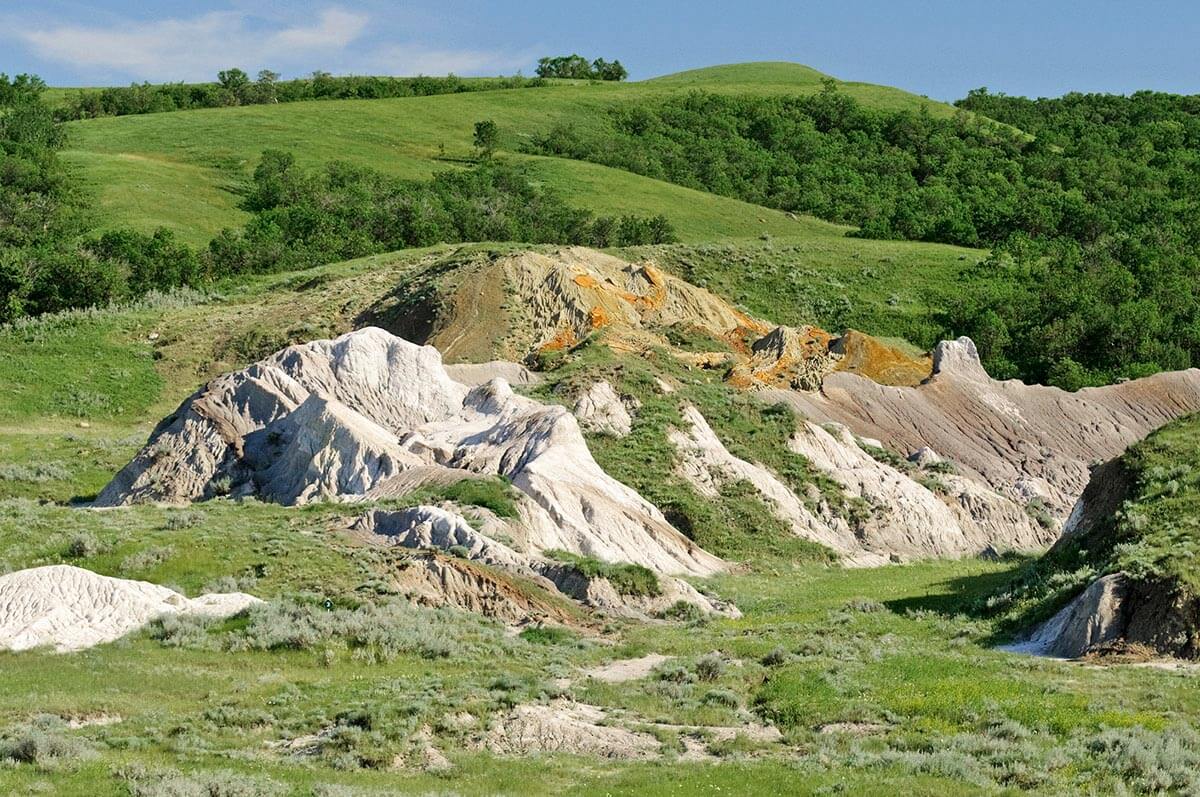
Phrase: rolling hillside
(182, 170)
(782, 77)
(186, 170)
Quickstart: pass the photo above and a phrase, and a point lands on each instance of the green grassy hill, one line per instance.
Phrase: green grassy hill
(182, 170)
(186, 170)
(782, 77)
(875, 677)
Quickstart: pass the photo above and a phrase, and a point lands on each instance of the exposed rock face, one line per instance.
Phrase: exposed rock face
(912, 521)
(788, 357)
(600, 409)
(475, 374)
(1116, 608)
(534, 303)
(567, 296)
(870, 357)
(908, 520)
(1023, 441)
(566, 727)
(437, 527)
(1095, 617)
(342, 419)
(68, 608)
(436, 580)
(1106, 491)
(706, 464)
(430, 527)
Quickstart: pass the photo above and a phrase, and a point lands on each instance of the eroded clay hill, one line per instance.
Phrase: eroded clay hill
(371, 416)
(1029, 443)
(522, 305)
(1016, 451)
(945, 460)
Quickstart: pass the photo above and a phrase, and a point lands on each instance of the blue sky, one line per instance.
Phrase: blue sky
(938, 48)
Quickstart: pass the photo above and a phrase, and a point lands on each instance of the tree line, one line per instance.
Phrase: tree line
(1092, 209)
(577, 67)
(235, 87)
(52, 258)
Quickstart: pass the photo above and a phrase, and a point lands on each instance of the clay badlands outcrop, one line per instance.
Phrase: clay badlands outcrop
(68, 608)
(370, 415)
(527, 304)
(1029, 443)
(1013, 446)
(995, 465)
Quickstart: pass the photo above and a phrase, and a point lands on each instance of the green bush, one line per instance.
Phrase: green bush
(372, 632)
(340, 212)
(547, 635)
(626, 578)
(43, 742)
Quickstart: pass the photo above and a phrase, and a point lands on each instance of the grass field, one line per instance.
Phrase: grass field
(882, 650)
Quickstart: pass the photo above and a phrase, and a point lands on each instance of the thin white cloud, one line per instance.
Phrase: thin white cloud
(195, 48)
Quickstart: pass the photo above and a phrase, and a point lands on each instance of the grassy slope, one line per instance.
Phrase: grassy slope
(1155, 537)
(177, 169)
(1166, 543)
(883, 646)
(782, 77)
(958, 715)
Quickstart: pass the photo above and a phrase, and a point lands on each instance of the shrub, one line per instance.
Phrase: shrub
(547, 635)
(1084, 288)
(864, 605)
(776, 657)
(1152, 762)
(36, 473)
(143, 560)
(710, 667)
(722, 697)
(626, 578)
(682, 611)
(83, 546)
(143, 782)
(43, 742)
(373, 632)
(675, 673)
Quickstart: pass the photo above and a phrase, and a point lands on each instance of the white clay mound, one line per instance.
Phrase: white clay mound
(343, 419)
(68, 608)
